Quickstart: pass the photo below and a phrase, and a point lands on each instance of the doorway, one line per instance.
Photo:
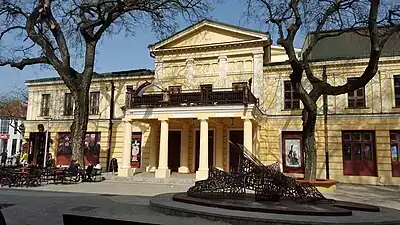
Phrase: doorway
(37, 143)
(210, 149)
(236, 137)
(292, 152)
(359, 153)
(174, 150)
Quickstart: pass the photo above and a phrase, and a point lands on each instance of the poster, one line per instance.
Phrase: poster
(395, 153)
(136, 153)
(292, 152)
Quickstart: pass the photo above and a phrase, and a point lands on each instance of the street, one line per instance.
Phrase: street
(46, 204)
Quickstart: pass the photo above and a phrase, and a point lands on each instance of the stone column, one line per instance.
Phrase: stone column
(153, 149)
(163, 171)
(248, 134)
(202, 172)
(184, 163)
(219, 153)
(223, 70)
(125, 169)
(258, 77)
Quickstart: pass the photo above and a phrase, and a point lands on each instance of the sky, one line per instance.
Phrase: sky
(127, 53)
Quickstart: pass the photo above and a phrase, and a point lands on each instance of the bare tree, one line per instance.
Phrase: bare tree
(53, 32)
(379, 20)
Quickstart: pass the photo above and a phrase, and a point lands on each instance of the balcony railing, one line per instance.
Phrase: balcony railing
(218, 96)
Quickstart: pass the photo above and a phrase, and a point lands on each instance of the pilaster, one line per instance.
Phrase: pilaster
(126, 169)
(223, 70)
(258, 77)
(154, 148)
(184, 162)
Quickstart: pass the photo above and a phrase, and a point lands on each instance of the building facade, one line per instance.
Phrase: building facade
(214, 84)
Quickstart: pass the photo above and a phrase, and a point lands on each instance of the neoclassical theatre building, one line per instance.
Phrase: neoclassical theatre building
(216, 83)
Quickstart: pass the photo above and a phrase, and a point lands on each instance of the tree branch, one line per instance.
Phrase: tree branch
(25, 62)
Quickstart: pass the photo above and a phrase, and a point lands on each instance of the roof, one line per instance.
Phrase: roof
(349, 45)
(117, 74)
(204, 21)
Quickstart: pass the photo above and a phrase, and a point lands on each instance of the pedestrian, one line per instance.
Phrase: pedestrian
(4, 157)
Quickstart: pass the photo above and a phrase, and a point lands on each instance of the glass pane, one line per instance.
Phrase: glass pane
(288, 105)
(396, 80)
(347, 152)
(357, 151)
(397, 90)
(360, 92)
(394, 152)
(346, 136)
(296, 104)
(351, 103)
(288, 95)
(367, 136)
(357, 136)
(360, 103)
(397, 102)
(393, 136)
(368, 152)
(288, 86)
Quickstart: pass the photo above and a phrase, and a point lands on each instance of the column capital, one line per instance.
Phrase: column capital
(247, 118)
(203, 119)
(127, 120)
(163, 119)
(258, 54)
(222, 57)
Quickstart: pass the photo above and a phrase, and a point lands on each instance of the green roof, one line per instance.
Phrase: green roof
(117, 74)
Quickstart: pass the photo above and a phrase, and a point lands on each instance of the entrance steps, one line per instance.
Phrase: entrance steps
(147, 177)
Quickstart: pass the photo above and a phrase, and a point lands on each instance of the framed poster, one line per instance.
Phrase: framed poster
(292, 152)
(136, 149)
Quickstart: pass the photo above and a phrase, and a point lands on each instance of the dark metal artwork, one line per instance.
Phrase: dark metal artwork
(267, 182)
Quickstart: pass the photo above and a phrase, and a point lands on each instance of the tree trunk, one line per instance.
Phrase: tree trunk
(79, 125)
(309, 120)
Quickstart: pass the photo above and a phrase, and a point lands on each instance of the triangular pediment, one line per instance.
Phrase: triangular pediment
(209, 33)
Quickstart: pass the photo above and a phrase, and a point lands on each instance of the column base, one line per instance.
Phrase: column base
(126, 172)
(202, 174)
(151, 169)
(183, 169)
(163, 173)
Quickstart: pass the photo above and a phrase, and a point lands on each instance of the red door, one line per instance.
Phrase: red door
(359, 154)
(174, 150)
(292, 152)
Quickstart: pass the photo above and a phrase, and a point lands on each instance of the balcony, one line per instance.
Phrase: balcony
(186, 98)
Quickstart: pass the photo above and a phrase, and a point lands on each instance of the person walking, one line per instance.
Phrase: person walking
(4, 157)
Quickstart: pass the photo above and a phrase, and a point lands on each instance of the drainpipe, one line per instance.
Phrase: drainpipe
(110, 125)
(325, 107)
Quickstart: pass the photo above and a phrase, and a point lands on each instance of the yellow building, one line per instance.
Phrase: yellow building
(226, 83)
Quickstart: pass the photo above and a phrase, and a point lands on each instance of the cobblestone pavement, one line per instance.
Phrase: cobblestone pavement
(45, 205)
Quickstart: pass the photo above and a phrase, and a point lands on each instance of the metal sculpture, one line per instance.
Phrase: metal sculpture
(267, 182)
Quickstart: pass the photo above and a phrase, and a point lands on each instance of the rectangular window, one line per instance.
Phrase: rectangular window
(175, 89)
(45, 106)
(356, 99)
(5, 126)
(14, 147)
(358, 150)
(68, 106)
(94, 103)
(395, 152)
(291, 96)
(206, 87)
(397, 90)
(239, 86)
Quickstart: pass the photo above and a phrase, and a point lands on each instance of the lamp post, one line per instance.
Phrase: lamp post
(47, 141)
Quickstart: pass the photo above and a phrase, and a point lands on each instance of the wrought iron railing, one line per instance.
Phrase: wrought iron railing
(216, 96)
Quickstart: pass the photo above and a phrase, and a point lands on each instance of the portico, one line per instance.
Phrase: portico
(200, 131)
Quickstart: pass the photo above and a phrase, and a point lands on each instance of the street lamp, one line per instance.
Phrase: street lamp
(47, 141)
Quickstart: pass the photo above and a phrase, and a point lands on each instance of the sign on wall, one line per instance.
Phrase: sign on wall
(293, 153)
(91, 151)
(136, 149)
